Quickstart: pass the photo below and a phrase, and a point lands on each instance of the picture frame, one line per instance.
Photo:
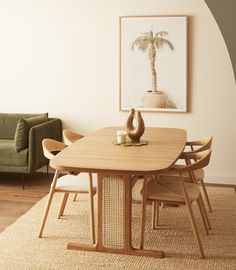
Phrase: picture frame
(153, 63)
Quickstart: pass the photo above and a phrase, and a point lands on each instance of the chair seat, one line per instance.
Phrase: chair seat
(75, 183)
(165, 190)
(199, 174)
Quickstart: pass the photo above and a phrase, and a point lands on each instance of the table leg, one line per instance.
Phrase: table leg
(115, 218)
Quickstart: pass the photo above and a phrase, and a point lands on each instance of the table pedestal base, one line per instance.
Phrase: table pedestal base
(115, 218)
(131, 251)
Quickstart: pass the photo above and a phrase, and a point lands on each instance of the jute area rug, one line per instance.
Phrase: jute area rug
(20, 248)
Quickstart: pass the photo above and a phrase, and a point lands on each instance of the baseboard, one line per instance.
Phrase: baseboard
(220, 178)
(50, 170)
(44, 170)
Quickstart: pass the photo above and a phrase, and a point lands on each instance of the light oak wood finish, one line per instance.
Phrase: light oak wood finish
(175, 191)
(70, 136)
(197, 146)
(114, 219)
(51, 146)
(14, 201)
(97, 153)
(117, 167)
(66, 184)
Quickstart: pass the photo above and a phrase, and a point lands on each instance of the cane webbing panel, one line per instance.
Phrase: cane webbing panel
(113, 212)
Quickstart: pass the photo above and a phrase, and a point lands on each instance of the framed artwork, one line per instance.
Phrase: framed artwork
(153, 63)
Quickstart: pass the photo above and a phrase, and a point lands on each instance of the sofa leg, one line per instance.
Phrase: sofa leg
(23, 181)
(48, 170)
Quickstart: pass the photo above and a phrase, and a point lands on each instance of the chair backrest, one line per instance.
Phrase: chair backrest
(50, 146)
(70, 136)
(202, 145)
(201, 160)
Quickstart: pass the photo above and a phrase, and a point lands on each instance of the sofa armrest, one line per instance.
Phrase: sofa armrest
(51, 129)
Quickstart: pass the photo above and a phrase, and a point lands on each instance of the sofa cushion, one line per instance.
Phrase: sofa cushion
(23, 127)
(8, 155)
(8, 124)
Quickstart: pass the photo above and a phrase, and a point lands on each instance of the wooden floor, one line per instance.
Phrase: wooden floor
(14, 200)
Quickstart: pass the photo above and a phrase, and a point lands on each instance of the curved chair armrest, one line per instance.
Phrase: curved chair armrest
(70, 136)
(50, 146)
(203, 144)
(201, 160)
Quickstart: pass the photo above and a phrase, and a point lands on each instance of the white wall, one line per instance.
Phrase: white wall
(62, 57)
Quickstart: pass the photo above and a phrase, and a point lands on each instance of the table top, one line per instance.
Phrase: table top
(97, 153)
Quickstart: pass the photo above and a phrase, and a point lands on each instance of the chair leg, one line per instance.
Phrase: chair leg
(23, 181)
(203, 217)
(155, 214)
(51, 193)
(143, 218)
(75, 196)
(63, 204)
(193, 223)
(205, 194)
(194, 227)
(46, 213)
(192, 175)
(91, 201)
(204, 211)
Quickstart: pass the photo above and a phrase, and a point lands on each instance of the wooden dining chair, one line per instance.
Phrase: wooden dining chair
(197, 146)
(80, 183)
(179, 191)
(70, 136)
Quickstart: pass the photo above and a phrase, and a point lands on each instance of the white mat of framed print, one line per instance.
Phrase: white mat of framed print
(153, 63)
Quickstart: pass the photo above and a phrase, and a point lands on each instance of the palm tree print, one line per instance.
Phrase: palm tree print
(151, 43)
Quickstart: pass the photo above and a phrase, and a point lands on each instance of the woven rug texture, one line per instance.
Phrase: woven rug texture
(20, 247)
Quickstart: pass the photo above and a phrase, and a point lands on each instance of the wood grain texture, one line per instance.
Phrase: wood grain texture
(15, 201)
(135, 132)
(97, 153)
(70, 136)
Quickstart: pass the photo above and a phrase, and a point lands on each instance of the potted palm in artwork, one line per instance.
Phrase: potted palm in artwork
(151, 43)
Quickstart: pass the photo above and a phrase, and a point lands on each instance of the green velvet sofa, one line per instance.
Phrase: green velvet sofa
(21, 138)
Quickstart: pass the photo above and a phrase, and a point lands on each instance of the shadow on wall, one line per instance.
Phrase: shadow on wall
(224, 14)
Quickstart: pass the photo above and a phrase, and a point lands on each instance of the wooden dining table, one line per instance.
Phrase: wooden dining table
(117, 166)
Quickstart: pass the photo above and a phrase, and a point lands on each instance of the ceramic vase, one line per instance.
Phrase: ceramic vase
(155, 99)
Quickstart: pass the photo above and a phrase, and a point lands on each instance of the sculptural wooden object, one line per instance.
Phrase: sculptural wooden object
(135, 132)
